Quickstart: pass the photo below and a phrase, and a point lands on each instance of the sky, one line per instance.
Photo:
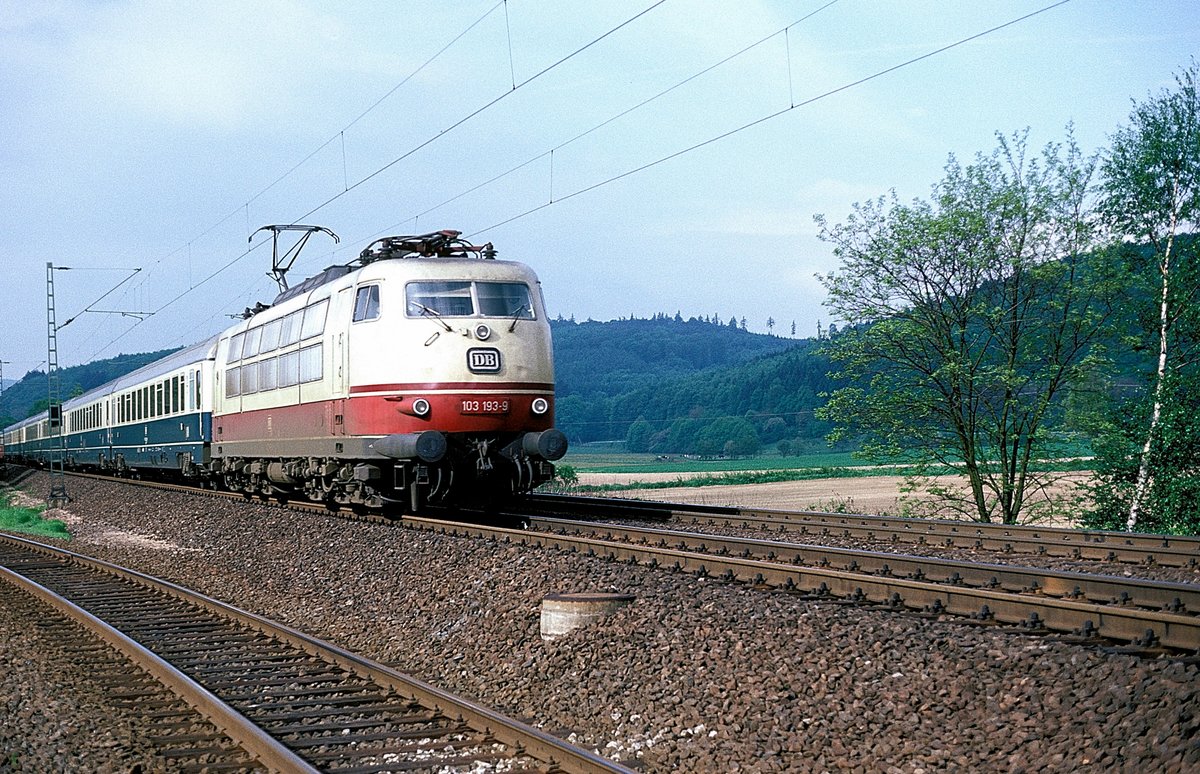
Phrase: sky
(620, 148)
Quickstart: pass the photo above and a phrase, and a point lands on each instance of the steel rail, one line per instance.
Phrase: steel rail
(1064, 542)
(1152, 542)
(1035, 612)
(1102, 589)
(265, 749)
(560, 755)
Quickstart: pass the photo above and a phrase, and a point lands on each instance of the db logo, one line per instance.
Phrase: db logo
(483, 360)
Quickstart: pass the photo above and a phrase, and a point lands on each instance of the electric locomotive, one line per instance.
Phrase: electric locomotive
(422, 371)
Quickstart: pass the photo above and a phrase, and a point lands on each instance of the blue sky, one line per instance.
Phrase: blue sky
(158, 135)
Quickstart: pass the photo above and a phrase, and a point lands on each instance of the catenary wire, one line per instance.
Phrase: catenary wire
(607, 121)
(765, 118)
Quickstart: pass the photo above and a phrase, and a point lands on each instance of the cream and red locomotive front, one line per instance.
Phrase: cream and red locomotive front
(420, 373)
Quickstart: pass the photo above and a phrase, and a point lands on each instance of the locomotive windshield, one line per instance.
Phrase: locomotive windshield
(469, 299)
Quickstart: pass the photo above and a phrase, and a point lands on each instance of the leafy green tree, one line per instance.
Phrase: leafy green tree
(969, 315)
(773, 429)
(743, 440)
(638, 438)
(1151, 192)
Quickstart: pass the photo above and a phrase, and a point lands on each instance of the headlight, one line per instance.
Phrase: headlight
(420, 407)
(482, 332)
(540, 405)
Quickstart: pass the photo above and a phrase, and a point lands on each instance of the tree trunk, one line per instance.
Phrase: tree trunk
(1145, 478)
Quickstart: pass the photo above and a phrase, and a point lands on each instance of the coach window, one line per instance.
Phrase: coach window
(253, 337)
(289, 369)
(198, 389)
(289, 331)
(311, 361)
(314, 319)
(366, 303)
(249, 379)
(270, 337)
(235, 348)
(233, 382)
(266, 374)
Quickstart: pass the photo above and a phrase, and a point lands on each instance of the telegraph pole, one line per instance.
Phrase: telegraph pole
(58, 481)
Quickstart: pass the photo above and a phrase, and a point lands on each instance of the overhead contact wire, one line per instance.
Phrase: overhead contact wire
(617, 116)
(486, 106)
(770, 116)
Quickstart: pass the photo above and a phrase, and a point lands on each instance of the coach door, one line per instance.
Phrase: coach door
(341, 313)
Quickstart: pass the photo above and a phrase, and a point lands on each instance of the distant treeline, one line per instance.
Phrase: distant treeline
(29, 395)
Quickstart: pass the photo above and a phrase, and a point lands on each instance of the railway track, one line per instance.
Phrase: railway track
(271, 697)
(1096, 545)
(1025, 603)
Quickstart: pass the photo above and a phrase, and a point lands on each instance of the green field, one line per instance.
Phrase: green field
(28, 520)
(693, 471)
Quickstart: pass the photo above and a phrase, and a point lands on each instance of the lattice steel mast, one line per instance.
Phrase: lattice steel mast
(58, 481)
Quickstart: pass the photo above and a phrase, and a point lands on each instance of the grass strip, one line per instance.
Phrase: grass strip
(29, 521)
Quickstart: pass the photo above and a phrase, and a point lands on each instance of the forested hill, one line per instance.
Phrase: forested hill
(610, 358)
(28, 396)
(693, 384)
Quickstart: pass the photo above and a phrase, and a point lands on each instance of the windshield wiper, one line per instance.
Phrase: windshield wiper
(432, 314)
(517, 316)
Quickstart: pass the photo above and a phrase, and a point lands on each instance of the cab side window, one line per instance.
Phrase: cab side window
(366, 303)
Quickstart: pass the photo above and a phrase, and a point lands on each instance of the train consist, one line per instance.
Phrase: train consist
(422, 372)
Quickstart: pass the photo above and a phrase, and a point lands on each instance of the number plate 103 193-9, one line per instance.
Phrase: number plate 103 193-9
(486, 405)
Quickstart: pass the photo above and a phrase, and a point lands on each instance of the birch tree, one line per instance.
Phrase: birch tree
(1151, 194)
